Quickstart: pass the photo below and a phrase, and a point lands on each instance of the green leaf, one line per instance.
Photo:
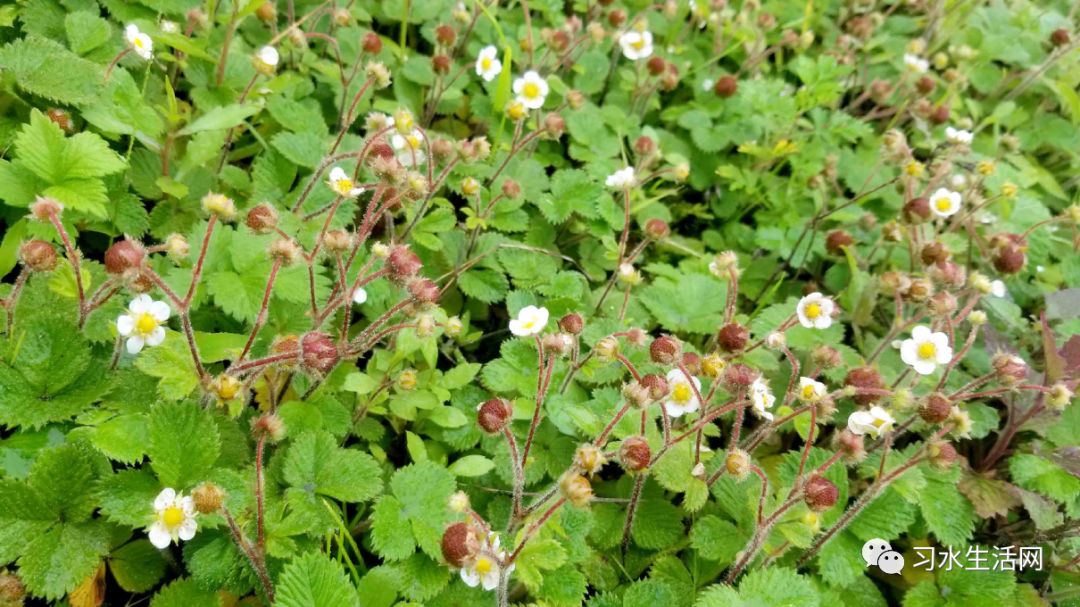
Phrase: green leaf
(537, 555)
(716, 539)
(62, 478)
(316, 465)
(448, 417)
(183, 445)
(86, 31)
(423, 490)
(1042, 476)
(47, 69)
(391, 535)
(488, 286)
(948, 514)
(137, 566)
(222, 117)
(313, 580)
(60, 559)
(691, 304)
(122, 438)
(471, 465)
(172, 364)
(185, 593)
(572, 190)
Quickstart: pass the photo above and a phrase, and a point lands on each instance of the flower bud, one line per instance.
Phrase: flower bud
(851, 445)
(38, 255)
(44, 209)
(636, 394)
(726, 86)
(1010, 369)
(493, 415)
(402, 263)
(425, 325)
(865, 378)
(737, 464)
(589, 459)
(208, 498)
(424, 290)
(935, 409)
(657, 385)
(220, 205)
(262, 218)
(407, 380)
(826, 357)
(511, 189)
(458, 502)
(572, 323)
(724, 264)
(733, 337)
(576, 489)
(1059, 396)
(177, 247)
(820, 493)
(634, 454)
(665, 350)
(606, 349)
(942, 455)
(838, 240)
(225, 387)
(269, 426)
(318, 353)
(575, 99)
(460, 543)
(712, 365)
(558, 344)
(285, 251)
(916, 210)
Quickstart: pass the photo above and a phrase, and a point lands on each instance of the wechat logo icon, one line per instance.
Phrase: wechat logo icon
(878, 552)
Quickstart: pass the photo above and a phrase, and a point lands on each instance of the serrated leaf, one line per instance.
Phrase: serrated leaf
(313, 580)
(488, 286)
(316, 465)
(222, 117)
(57, 561)
(137, 566)
(47, 69)
(471, 465)
(692, 304)
(185, 593)
(183, 445)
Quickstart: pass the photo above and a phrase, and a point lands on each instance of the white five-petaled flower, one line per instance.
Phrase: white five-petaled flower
(623, 179)
(873, 422)
(409, 148)
(944, 202)
(810, 390)
(926, 350)
(636, 45)
(958, 136)
(342, 184)
(531, 90)
(487, 63)
(484, 569)
(174, 519)
(762, 399)
(268, 56)
(530, 320)
(169, 27)
(997, 288)
(916, 64)
(141, 43)
(815, 311)
(682, 395)
(142, 325)
(359, 295)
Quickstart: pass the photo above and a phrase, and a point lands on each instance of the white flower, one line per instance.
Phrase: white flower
(142, 324)
(944, 202)
(531, 90)
(174, 519)
(762, 399)
(142, 44)
(958, 136)
(873, 422)
(169, 27)
(682, 396)
(623, 179)
(530, 320)
(487, 63)
(815, 311)
(484, 570)
(926, 350)
(268, 56)
(342, 184)
(409, 148)
(636, 45)
(958, 181)
(811, 391)
(915, 63)
(359, 295)
(997, 289)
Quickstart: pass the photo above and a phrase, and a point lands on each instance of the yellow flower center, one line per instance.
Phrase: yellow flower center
(172, 517)
(808, 392)
(942, 204)
(484, 565)
(413, 141)
(139, 42)
(681, 393)
(878, 422)
(343, 185)
(927, 350)
(531, 90)
(146, 323)
(812, 310)
(638, 44)
(485, 63)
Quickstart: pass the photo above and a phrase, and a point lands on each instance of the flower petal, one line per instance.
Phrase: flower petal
(135, 344)
(156, 336)
(125, 324)
(159, 536)
(165, 498)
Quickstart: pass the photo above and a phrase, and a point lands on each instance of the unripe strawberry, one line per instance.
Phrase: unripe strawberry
(820, 494)
(664, 350)
(460, 544)
(656, 66)
(269, 426)
(493, 415)
(285, 250)
(634, 454)
(262, 218)
(644, 145)
(572, 323)
(576, 489)
(726, 86)
(38, 255)
(925, 85)
(692, 363)
(934, 252)
(318, 353)
(838, 240)
(445, 35)
(208, 498)
(380, 149)
(935, 409)
(1059, 37)
(940, 115)
(916, 210)
(942, 455)
(865, 378)
(739, 377)
(124, 256)
(657, 385)
(737, 463)
(826, 357)
(440, 64)
(424, 290)
(12, 590)
(1010, 369)
(657, 229)
(443, 149)
(851, 445)
(733, 337)
(44, 209)
(338, 241)
(510, 188)
(589, 459)
(1009, 259)
(372, 43)
(403, 263)
(943, 304)
(919, 290)
(266, 12)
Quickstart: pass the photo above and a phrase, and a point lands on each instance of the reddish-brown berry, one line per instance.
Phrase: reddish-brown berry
(440, 64)
(445, 35)
(838, 240)
(424, 290)
(572, 323)
(692, 363)
(935, 409)
(726, 86)
(1009, 259)
(940, 115)
(739, 377)
(657, 229)
(635, 455)
(733, 337)
(820, 494)
(942, 455)
(1010, 369)
(616, 18)
(262, 218)
(1059, 37)
(644, 145)
(123, 256)
(916, 210)
(925, 85)
(318, 353)
(403, 263)
(372, 43)
(656, 66)
(865, 380)
(657, 385)
(934, 252)
(493, 415)
(38, 255)
(665, 350)
(459, 544)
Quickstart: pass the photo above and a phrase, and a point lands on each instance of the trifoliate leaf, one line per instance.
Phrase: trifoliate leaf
(488, 286)
(648, 593)
(691, 304)
(183, 445)
(423, 577)
(316, 465)
(313, 580)
(423, 490)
